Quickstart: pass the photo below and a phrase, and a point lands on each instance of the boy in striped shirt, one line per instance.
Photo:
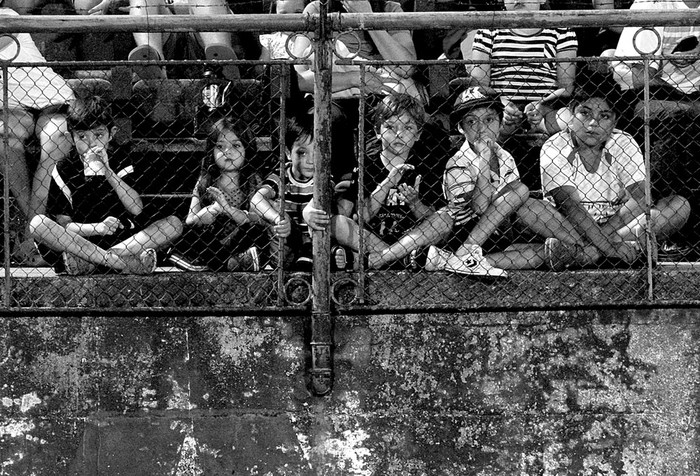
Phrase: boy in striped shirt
(289, 224)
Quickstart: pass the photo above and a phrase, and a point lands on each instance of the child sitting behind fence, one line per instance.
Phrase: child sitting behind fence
(297, 185)
(487, 200)
(595, 175)
(221, 234)
(401, 189)
(94, 215)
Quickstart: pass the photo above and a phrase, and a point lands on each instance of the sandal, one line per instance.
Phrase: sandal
(146, 53)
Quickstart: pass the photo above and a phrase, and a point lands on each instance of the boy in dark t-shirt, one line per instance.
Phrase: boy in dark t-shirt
(94, 214)
(399, 208)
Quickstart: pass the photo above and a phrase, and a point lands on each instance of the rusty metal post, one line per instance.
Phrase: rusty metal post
(321, 321)
(7, 294)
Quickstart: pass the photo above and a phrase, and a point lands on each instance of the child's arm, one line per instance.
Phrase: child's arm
(316, 218)
(129, 197)
(108, 226)
(198, 215)
(261, 204)
(378, 197)
(238, 215)
(484, 189)
(411, 195)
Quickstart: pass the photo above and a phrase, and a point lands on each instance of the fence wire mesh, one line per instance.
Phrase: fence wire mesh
(449, 188)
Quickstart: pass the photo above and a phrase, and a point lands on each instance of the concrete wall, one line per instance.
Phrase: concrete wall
(548, 393)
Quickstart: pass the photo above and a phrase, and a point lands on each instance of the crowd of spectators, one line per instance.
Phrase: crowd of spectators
(535, 144)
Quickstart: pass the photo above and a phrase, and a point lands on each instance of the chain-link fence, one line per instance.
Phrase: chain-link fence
(478, 182)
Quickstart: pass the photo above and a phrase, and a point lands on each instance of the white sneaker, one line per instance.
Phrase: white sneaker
(474, 264)
(436, 260)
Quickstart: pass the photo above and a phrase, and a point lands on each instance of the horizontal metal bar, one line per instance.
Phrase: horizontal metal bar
(368, 21)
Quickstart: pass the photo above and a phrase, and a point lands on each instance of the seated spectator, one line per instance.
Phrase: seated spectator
(94, 220)
(596, 177)
(674, 84)
(217, 45)
(394, 45)
(288, 224)
(531, 90)
(221, 235)
(487, 200)
(37, 102)
(403, 189)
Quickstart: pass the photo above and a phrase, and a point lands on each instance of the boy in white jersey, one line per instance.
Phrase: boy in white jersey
(595, 175)
(482, 185)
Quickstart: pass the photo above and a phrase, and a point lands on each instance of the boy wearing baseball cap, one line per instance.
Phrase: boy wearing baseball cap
(486, 197)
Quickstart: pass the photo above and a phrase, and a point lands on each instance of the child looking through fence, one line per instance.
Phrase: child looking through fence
(287, 224)
(595, 175)
(221, 234)
(94, 218)
(487, 201)
(402, 185)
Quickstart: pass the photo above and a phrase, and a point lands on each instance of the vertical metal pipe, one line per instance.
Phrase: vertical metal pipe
(361, 187)
(6, 188)
(282, 155)
(321, 322)
(647, 183)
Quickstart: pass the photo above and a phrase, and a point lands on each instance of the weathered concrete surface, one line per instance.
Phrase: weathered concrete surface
(604, 392)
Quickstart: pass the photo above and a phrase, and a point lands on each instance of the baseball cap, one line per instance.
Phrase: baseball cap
(473, 97)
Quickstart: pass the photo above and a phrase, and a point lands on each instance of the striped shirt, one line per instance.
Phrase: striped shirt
(296, 193)
(524, 82)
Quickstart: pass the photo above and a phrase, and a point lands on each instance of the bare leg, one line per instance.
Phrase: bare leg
(668, 216)
(545, 220)
(56, 237)
(502, 207)
(430, 231)
(155, 236)
(518, 256)
(148, 7)
(47, 231)
(55, 146)
(347, 233)
(217, 44)
(20, 126)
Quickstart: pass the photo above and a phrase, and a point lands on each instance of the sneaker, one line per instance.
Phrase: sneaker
(145, 263)
(560, 256)
(182, 263)
(77, 266)
(436, 260)
(474, 264)
(249, 260)
(339, 259)
(669, 251)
